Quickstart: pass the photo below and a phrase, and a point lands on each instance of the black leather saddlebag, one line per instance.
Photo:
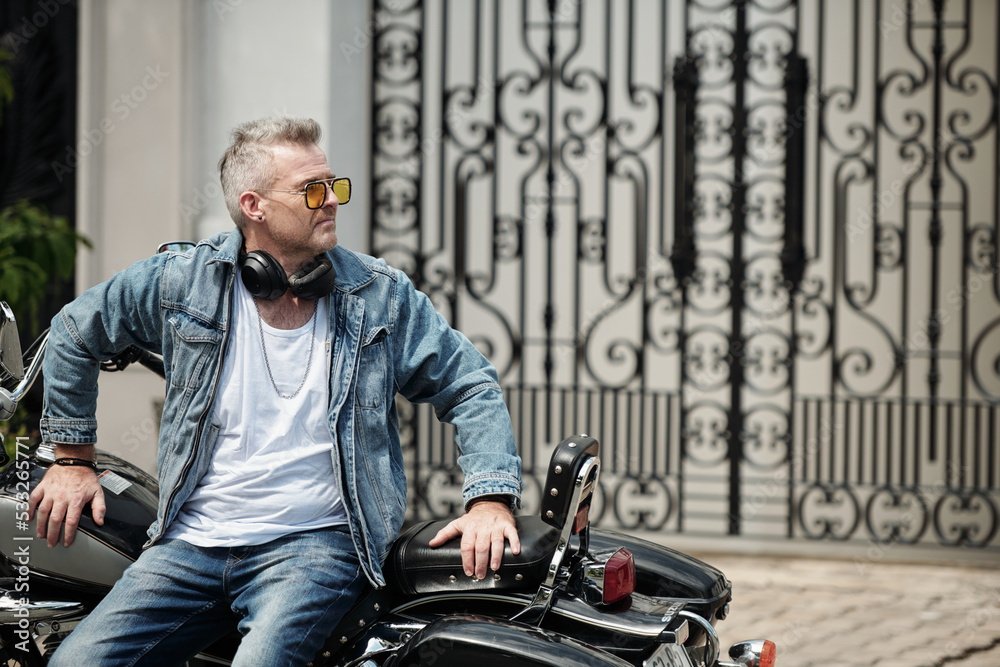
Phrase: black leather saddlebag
(414, 568)
(460, 641)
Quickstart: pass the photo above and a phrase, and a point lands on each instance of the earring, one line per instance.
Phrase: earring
(260, 217)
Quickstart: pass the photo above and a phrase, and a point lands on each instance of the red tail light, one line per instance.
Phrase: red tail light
(619, 576)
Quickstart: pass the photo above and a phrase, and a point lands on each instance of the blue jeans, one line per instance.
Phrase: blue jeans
(285, 598)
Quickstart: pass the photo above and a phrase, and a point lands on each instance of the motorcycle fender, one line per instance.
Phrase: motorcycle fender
(486, 642)
(664, 572)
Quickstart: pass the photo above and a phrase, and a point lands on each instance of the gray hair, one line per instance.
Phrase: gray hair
(248, 163)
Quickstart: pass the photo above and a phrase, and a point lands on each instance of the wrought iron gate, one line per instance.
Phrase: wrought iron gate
(750, 246)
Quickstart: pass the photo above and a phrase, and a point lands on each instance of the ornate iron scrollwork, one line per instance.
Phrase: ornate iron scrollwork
(751, 249)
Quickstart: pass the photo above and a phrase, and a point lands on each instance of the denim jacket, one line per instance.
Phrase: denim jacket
(388, 338)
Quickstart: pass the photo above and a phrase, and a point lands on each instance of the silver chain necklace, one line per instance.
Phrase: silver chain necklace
(312, 340)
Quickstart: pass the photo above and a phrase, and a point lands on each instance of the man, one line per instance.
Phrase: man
(281, 483)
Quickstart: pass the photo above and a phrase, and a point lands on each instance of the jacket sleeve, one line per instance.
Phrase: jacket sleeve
(436, 364)
(100, 323)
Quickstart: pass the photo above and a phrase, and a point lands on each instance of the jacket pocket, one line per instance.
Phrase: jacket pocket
(371, 388)
(193, 343)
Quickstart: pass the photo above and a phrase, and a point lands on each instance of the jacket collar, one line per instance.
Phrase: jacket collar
(352, 273)
(227, 246)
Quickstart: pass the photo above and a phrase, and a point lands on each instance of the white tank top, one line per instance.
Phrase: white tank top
(272, 472)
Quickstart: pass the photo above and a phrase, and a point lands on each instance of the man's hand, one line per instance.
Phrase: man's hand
(61, 495)
(483, 529)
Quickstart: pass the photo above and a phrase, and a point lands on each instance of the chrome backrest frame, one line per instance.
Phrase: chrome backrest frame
(584, 484)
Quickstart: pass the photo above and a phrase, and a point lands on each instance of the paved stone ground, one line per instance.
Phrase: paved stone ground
(849, 613)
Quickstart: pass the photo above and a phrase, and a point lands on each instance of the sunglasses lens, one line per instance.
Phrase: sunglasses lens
(342, 188)
(315, 194)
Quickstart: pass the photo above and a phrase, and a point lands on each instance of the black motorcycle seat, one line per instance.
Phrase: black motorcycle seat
(414, 568)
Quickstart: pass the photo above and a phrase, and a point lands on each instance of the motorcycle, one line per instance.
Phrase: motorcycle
(573, 595)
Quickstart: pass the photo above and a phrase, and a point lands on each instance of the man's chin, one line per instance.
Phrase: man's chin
(328, 243)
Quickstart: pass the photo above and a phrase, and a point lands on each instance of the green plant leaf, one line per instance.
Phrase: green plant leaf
(35, 246)
(6, 85)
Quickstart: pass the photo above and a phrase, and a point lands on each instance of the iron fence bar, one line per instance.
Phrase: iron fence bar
(917, 441)
(737, 344)
(992, 436)
(550, 222)
(875, 431)
(683, 252)
(936, 231)
(819, 441)
(793, 254)
(977, 428)
(846, 463)
(861, 441)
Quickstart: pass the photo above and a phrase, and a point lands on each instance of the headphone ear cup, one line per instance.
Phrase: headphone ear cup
(314, 280)
(263, 276)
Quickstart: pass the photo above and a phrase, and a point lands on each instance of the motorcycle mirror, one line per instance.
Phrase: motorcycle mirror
(11, 365)
(175, 246)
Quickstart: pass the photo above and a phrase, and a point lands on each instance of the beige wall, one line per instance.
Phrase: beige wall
(161, 85)
(133, 79)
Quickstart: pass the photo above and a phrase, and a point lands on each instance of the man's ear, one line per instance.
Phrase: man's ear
(251, 205)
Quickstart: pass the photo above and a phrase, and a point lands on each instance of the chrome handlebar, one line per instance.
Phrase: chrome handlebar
(9, 399)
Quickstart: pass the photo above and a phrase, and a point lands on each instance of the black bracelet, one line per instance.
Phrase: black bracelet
(493, 497)
(70, 461)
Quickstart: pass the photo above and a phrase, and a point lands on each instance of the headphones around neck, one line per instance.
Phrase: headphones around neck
(265, 279)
